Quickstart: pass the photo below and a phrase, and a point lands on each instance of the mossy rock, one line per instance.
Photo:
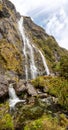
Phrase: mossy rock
(10, 57)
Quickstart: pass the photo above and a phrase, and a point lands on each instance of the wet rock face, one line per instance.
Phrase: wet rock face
(4, 13)
(3, 87)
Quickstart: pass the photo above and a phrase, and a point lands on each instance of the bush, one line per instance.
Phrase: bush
(6, 122)
(47, 122)
(56, 86)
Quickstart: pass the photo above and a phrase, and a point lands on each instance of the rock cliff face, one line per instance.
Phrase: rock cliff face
(12, 58)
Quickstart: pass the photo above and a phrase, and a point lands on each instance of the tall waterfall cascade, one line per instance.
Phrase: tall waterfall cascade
(27, 45)
(45, 64)
(13, 99)
(28, 51)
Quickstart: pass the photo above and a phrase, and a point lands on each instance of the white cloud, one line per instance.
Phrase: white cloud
(25, 7)
(51, 14)
(58, 27)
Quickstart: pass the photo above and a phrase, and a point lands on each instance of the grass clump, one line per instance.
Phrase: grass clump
(47, 122)
(6, 122)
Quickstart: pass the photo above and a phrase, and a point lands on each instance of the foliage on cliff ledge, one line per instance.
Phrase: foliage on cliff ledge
(10, 57)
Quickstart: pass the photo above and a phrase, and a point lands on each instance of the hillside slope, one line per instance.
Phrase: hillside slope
(11, 40)
(33, 75)
(51, 50)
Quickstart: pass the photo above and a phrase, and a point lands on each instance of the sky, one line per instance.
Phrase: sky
(52, 15)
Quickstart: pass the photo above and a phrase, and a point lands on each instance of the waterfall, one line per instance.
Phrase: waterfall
(21, 29)
(28, 51)
(43, 60)
(13, 100)
(44, 63)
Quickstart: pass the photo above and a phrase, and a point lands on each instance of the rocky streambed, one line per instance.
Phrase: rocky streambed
(37, 105)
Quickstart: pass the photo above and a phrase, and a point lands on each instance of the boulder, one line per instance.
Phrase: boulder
(3, 87)
(23, 86)
(20, 87)
(31, 90)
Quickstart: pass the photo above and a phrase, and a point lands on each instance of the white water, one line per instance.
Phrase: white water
(13, 100)
(28, 50)
(44, 62)
(21, 29)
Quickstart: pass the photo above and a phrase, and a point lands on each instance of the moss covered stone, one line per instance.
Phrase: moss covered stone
(10, 57)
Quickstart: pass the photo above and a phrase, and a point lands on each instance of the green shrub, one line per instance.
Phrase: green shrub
(56, 86)
(47, 122)
(6, 122)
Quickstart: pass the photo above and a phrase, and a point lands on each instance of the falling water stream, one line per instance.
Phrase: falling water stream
(13, 99)
(28, 50)
(43, 60)
(44, 63)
